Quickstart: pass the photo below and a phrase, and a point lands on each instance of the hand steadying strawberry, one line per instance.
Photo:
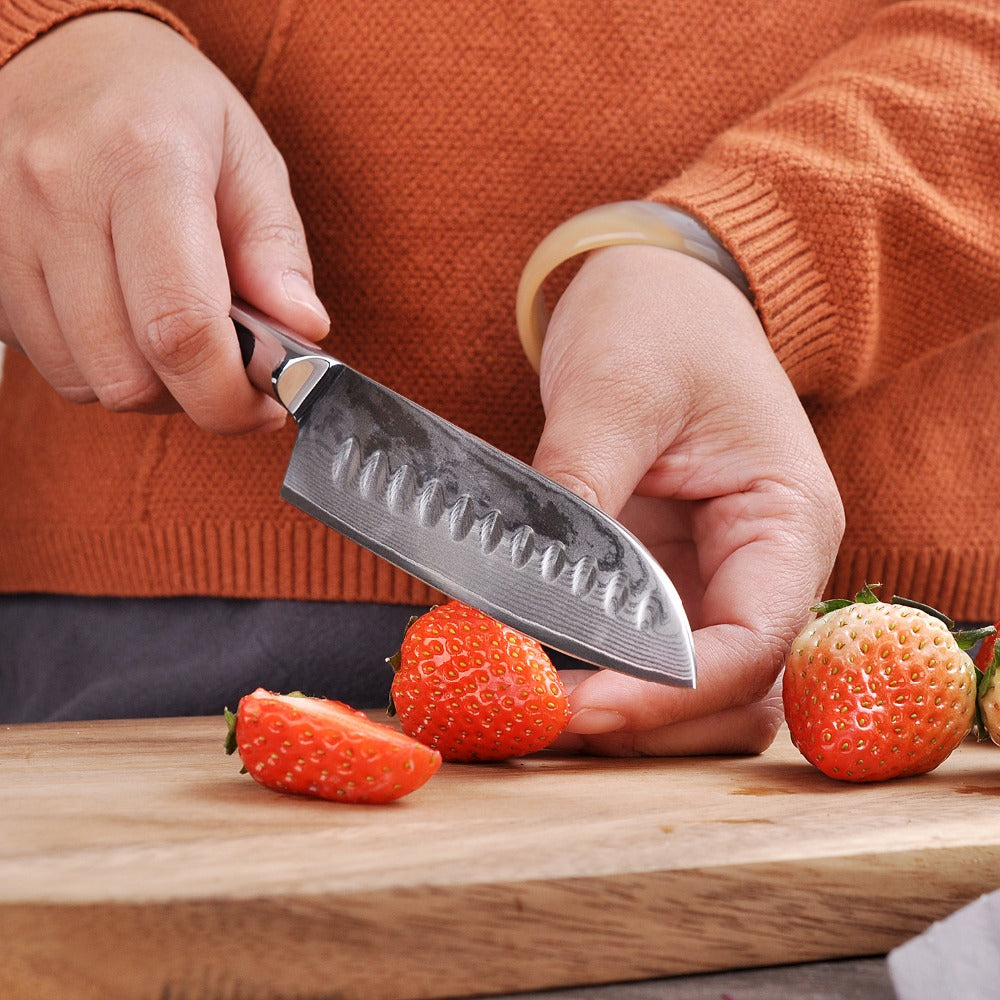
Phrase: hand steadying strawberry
(474, 688)
(875, 690)
(313, 746)
(988, 665)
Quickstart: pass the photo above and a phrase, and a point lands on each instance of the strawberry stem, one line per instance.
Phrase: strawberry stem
(967, 638)
(866, 595)
(926, 608)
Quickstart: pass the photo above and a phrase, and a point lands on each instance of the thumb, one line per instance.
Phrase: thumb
(262, 232)
(613, 396)
(595, 441)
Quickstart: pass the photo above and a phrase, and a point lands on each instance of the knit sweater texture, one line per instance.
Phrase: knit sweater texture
(845, 152)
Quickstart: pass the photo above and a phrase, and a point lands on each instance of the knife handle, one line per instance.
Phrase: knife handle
(278, 361)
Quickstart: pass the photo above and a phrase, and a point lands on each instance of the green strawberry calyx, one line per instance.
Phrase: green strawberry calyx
(230, 718)
(866, 595)
(230, 744)
(396, 661)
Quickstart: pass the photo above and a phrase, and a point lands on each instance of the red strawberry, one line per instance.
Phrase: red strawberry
(474, 688)
(313, 746)
(988, 664)
(877, 690)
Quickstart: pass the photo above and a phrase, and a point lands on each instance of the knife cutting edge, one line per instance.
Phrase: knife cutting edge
(465, 517)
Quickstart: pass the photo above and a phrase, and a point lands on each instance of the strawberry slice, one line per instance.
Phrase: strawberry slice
(314, 746)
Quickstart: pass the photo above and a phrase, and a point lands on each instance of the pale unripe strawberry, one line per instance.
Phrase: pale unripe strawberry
(875, 690)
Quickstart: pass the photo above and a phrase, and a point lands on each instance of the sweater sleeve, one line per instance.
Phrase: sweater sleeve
(863, 204)
(22, 21)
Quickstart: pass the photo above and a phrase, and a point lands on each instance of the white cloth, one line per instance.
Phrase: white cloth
(957, 958)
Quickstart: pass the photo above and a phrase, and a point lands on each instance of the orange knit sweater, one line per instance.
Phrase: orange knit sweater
(845, 152)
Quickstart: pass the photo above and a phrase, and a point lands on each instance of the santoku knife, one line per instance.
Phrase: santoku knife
(465, 517)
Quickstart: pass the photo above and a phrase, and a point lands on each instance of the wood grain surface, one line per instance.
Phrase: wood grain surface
(136, 862)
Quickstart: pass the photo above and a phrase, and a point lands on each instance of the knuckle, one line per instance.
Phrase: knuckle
(281, 224)
(275, 231)
(45, 166)
(578, 481)
(175, 336)
(75, 392)
(135, 392)
(152, 143)
(255, 153)
(763, 723)
(583, 486)
(63, 375)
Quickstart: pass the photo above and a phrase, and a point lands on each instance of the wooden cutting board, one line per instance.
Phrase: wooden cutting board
(136, 862)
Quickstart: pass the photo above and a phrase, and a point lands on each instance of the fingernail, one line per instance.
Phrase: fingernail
(300, 291)
(592, 721)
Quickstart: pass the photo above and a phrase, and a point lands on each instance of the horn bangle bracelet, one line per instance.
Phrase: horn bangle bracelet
(619, 223)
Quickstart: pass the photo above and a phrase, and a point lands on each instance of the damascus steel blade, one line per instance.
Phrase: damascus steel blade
(483, 527)
(465, 517)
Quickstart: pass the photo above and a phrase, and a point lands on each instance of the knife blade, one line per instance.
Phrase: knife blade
(465, 517)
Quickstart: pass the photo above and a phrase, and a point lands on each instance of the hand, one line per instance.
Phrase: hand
(666, 407)
(140, 191)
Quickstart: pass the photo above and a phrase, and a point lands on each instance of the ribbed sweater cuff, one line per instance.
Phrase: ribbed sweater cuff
(22, 21)
(289, 560)
(791, 296)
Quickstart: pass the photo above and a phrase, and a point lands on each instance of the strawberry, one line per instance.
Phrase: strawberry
(324, 748)
(875, 690)
(475, 689)
(988, 665)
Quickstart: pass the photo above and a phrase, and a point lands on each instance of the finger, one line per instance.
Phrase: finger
(175, 286)
(610, 409)
(748, 729)
(590, 443)
(755, 602)
(34, 329)
(262, 232)
(90, 311)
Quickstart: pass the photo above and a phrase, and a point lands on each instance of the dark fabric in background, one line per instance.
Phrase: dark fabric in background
(87, 658)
